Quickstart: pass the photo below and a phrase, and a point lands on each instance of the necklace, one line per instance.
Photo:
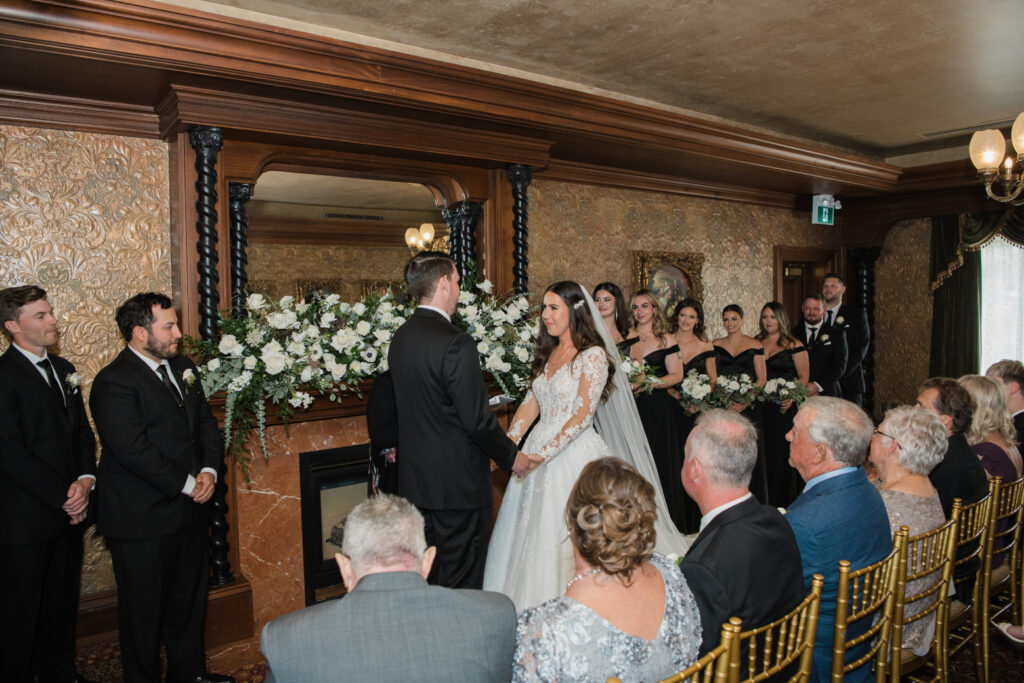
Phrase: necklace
(585, 574)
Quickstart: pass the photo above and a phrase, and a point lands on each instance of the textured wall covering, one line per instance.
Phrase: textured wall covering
(284, 263)
(86, 217)
(587, 233)
(903, 314)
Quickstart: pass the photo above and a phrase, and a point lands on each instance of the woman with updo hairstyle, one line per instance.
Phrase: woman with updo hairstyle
(628, 611)
(612, 306)
(992, 435)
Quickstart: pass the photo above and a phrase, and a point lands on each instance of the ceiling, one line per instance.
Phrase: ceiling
(876, 77)
(282, 187)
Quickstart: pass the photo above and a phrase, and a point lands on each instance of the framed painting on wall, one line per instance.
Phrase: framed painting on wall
(672, 276)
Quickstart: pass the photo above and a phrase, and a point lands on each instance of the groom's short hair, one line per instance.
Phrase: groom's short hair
(424, 270)
(383, 531)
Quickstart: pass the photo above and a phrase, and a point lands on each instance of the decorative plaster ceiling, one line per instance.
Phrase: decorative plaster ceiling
(875, 76)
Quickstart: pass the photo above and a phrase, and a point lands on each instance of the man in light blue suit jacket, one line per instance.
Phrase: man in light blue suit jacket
(840, 515)
(392, 625)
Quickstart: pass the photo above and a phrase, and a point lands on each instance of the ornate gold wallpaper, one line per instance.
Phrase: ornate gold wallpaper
(903, 314)
(86, 217)
(588, 233)
(282, 264)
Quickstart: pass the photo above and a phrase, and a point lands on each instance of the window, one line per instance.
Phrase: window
(1002, 302)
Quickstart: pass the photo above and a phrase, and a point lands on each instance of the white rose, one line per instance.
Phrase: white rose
(344, 307)
(213, 365)
(332, 299)
(327, 318)
(359, 308)
(356, 366)
(230, 346)
(249, 363)
(470, 313)
(311, 332)
(282, 320)
(306, 375)
(523, 355)
(485, 286)
(384, 307)
(286, 301)
(255, 302)
(275, 363)
(296, 348)
(482, 347)
(301, 307)
(465, 297)
(382, 335)
(525, 334)
(478, 330)
(362, 327)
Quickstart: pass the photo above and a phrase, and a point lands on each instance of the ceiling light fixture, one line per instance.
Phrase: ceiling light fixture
(987, 150)
(421, 238)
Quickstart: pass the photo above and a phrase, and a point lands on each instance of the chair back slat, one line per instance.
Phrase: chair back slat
(966, 623)
(721, 665)
(785, 642)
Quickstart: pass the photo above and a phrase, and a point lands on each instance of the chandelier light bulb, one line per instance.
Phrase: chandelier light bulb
(1017, 134)
(427, 232)
(412, 236)
(987, 150)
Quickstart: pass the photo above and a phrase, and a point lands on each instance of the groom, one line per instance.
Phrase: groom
(447, 433)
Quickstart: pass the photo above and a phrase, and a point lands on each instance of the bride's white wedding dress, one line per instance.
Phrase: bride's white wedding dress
(530, 556)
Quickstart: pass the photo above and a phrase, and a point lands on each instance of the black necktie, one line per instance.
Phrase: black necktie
(828, 320)
(162, 371)
(51, 379)
(813, 337)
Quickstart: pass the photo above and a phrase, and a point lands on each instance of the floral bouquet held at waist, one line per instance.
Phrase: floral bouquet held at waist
(640, 374)
(696, 390)
(736, 389)
(780, 390)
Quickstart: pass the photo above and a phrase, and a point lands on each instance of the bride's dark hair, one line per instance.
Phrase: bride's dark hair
(581, 328)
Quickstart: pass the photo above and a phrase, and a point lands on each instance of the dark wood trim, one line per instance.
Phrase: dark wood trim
(589, 174)
(18, 108)
(268, 229)
(782, 253)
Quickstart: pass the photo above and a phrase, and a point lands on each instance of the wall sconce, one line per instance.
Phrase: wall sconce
(419, 239)
(987, 150)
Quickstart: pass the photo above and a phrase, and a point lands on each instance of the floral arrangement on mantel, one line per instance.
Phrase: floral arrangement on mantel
(286, 351)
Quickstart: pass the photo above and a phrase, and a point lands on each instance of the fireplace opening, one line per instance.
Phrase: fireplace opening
(332, 482)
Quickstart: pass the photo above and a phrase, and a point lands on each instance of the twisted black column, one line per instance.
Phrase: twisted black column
(863, 259)
(519, 176)
(461, 219)
(206, 141)
(239, 194)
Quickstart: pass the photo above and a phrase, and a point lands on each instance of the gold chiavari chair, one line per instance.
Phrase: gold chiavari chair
(998, 569)
(720, 665)
(771, 649)
(965, 622)
(929, 559)
(867, 595)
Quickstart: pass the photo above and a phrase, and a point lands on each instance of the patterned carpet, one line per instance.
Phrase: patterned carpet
(101, 661)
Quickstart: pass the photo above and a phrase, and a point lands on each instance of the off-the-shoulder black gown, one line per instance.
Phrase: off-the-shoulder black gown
(740, 364)
(690, 513)
(662, 417)
(784, 482)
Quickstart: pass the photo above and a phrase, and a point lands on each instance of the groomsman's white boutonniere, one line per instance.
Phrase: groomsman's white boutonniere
(189, 377)
(823, 338)
(72, 380)
(840, 320)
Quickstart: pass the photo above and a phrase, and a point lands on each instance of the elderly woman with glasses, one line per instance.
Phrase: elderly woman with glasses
(908, 444)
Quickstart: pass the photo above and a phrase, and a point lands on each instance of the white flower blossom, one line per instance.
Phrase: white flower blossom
(306, 374)
(301, 307)
(255, 302)
(286, 301)
(332, 299)
(465, 297)
(359, 308)
(522, 354)
(282, 320)
(369, 355)
(213, 365)
(482, 347)
(485, 286)
(249, 363)
(230, 346)
(327, 318)
(382, 335)
(296, 348)
(362, 328)
(240, 382)
(274, 362)
(254, 337)
(311, 332)
(470, 313)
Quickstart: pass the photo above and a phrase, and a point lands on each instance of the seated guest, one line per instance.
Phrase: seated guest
(1010, 373)
(839, 515)
(904, 449)
(628, 611)
(992, 435)
(392, 626)
(745, 561)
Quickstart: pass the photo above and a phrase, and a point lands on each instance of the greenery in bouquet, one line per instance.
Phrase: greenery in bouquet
(696, 389)
(640, 374)
(780, 390)
(731, 389)
(283, 352)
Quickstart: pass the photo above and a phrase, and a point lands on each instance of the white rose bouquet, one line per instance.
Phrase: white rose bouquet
(640, 374)
(696, 390)
(779, 390)
(740, 389)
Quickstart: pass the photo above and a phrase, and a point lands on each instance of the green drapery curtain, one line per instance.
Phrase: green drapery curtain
(956, 307)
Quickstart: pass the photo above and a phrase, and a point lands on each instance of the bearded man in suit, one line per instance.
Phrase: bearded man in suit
(161, 451)
(826, 348)
(47, 472)
(745, 561)
(446, 430)
(854, 323)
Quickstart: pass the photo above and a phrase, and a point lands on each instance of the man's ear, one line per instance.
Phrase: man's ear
(12, 327)
(348, 576)
(427, 561)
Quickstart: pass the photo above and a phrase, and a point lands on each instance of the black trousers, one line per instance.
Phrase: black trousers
(161, 595)
(461, 538)
(38, 603)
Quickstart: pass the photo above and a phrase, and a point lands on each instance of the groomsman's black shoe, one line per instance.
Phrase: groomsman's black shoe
(209, 677)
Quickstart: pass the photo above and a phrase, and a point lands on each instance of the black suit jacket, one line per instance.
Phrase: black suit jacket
(149, 447)
(746, 564)
(446, 430)
(1018, 424)
(827, 357)
(854, 323)
(43, 449)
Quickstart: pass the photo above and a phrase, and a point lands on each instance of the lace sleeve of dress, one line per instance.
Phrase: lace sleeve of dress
(593, 365)
(530, 647)
(524, 417)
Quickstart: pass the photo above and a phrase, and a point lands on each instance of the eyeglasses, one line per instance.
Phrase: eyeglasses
(890, 436)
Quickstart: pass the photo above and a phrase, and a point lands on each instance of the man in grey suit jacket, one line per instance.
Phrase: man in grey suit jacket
(392, 625)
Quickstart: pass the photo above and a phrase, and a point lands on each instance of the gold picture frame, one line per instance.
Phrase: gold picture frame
(673, 276)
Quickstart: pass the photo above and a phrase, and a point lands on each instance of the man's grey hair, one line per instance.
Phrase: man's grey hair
(921, 437)
(726, 444)
(382, 531)
(841, 426)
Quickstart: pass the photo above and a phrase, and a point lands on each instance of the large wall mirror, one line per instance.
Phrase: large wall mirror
(341, 234)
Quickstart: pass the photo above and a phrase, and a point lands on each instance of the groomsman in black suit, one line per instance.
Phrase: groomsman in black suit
(447, 434)
(47, 471)
(826, 348)
(161, 450)
(854, 323)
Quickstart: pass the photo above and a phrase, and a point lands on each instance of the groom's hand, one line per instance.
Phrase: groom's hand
(524, 463)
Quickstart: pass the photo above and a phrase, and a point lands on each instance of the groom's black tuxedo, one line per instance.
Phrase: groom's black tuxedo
(746, 564)
(827, 357)
(44, 447)
(447, 436)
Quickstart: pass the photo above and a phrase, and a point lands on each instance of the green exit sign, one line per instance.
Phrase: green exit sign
(826, 216)
(823, 209)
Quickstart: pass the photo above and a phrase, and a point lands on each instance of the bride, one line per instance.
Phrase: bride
(586, 412)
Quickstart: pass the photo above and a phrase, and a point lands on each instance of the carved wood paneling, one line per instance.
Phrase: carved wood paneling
(77, 113)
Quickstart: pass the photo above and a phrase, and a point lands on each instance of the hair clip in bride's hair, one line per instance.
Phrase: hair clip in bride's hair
(578, 304)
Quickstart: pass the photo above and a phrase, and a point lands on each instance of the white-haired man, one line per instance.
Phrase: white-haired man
(392, 625)
(839, 515)
(745, 561)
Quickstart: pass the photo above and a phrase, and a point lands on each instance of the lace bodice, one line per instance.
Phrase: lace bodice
(566, 401)
(564, 640)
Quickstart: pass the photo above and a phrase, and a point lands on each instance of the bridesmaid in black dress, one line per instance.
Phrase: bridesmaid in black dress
(696, 353)
(612, 307)
(785, 357)
(660, 413)
(737, 354)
